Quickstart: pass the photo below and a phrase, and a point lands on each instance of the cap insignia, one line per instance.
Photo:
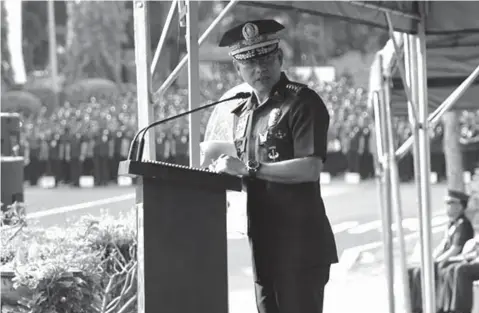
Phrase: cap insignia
(250, 31)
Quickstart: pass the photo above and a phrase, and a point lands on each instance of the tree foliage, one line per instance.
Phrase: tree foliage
(98, 31)
(95, 34)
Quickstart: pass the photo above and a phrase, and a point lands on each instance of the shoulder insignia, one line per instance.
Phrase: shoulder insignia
(295, 87)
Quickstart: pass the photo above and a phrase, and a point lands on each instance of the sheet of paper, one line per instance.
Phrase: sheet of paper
(212, 149)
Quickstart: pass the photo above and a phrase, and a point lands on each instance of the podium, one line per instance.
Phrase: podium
(183, 229)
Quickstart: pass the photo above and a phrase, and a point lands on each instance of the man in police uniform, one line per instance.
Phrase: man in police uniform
(280, 134)
(458, 273)
(465, 274)
(456, 292)
(459, 230)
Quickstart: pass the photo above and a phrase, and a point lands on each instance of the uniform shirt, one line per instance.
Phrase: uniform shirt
(55, 147)
(364, 141)
(287, 223)
(76, 145)
(458, 233)
(44, 150)
(101, 147)
(117, 145)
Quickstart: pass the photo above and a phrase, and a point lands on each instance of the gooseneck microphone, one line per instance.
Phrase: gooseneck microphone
(137, 147)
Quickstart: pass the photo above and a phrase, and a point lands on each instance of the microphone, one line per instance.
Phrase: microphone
(141, 133)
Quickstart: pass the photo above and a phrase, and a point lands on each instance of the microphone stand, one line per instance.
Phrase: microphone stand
(141, 133)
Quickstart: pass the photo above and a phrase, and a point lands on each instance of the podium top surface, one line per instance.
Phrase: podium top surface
(176, 172)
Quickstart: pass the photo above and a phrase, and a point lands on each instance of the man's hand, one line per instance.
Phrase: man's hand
(229, 165)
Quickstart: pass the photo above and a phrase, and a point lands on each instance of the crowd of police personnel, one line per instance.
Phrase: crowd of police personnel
(70, 153)
(91, 137)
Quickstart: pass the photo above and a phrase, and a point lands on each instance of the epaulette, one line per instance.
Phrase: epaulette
(295, 87)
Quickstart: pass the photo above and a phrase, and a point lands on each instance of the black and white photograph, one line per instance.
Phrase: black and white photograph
(214, 156)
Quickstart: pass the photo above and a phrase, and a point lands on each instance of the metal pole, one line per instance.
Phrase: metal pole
(52, 45)
(407, 88)
(445, 106)
(164, 34)
(411, 68)
(382, 181)
(145, 117)
(453, 97)
(385, 190)
(424, 159)
(395, 192)
(202, 39)
(193, 81)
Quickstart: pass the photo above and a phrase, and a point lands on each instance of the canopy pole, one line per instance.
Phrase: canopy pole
(395, 191)
(174, 74)
(164, 34)
(384, 194)
(193, 81)
(52, 45)
(427, 272)
(407, 88)
(145, 117)
(411, 68)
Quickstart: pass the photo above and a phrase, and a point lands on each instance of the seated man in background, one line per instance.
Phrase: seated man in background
(459, 231)
(458, 276)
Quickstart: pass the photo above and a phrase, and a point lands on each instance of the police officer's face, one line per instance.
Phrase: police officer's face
(261, 73)
(454, 208)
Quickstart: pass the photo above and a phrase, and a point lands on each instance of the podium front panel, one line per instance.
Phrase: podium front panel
(185, 246)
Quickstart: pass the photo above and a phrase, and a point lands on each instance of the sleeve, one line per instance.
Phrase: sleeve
(463, 233)
(309, 122)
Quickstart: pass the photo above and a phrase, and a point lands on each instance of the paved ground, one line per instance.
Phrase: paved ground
(353, 211)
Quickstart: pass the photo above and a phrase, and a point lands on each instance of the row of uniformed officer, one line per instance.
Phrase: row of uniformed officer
(351, 151)
(69, 155)
(96, 152)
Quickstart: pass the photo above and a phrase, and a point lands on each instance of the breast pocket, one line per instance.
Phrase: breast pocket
(276, 145)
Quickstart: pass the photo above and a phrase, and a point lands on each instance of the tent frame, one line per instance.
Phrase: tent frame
(415, 78)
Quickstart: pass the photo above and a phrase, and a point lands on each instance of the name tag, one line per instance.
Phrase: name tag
(240, 130)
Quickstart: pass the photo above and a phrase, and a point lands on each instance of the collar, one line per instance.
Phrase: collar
(240, 107)
(277, 93)
(278, 90)
(459, 219)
